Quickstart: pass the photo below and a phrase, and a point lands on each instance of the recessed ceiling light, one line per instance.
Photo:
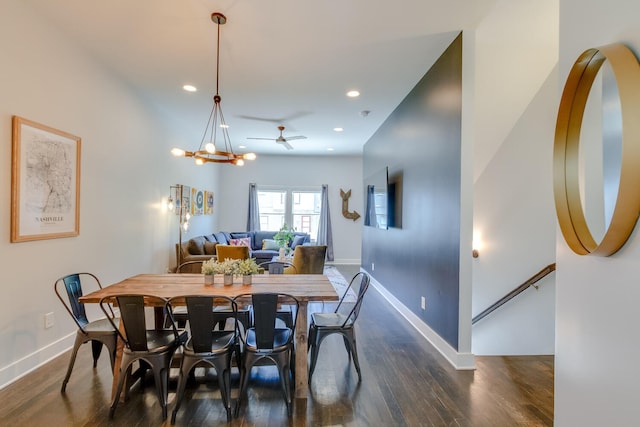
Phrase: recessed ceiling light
(338, 129)
(242, 146)
(330, 149)
(189, 88)
(353, 94)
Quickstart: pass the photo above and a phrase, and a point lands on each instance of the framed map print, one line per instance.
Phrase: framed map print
(45, 182)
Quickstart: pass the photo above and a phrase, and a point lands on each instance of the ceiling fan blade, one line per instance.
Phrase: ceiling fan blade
(287, 145)
(264, 139)
(291, 138)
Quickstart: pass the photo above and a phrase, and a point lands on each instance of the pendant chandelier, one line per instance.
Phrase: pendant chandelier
(210, 149)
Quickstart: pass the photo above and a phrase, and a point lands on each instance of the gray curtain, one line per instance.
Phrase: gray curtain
(325, 237)
(253, 218)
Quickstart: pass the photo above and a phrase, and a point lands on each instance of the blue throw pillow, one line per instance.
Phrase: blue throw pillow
(298, 240)
(270, 245)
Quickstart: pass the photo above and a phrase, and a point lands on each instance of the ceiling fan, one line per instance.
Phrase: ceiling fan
(282, 140)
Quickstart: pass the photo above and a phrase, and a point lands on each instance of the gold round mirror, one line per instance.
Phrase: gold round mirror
(570, 178)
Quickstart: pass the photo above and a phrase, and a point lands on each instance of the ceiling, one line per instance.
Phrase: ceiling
(282, 62)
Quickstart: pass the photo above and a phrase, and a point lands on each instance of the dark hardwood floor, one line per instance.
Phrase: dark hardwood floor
(406, 382)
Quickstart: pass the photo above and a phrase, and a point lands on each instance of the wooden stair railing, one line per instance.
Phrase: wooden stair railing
(517, 291)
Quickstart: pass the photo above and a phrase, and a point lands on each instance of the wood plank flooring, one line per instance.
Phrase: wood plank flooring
(406, 382)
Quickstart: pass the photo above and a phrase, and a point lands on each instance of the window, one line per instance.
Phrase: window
(298, 208)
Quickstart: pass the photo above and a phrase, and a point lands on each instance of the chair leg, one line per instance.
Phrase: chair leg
(76, 345)
(244, 381)
(354, 351)
(315, 347)
(185, 370)
(284, 381)
(161, 379)
(124, 372)
(96, 348)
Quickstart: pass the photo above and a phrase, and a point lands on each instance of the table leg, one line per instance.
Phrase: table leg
(302, 385)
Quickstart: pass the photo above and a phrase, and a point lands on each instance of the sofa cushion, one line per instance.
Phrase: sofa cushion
(298, 240)
(211, 238)
(196, 245)
(221, 238)
(210, 248)
(270, 245)
(236, 235)
(243, 241)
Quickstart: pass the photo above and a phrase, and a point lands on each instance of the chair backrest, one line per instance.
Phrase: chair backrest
(190, 267)
(73, 287)
(232, 252)
(277, 267)
(200, 310)
(309, 259)
(265, 309)
(133, 318)
(355, 310)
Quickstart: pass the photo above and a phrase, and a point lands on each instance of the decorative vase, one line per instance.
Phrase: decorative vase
(228, 279)
(208, 279)
(246, 279)
(281, 253)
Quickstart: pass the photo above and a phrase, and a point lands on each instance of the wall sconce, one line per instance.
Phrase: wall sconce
(476, 244)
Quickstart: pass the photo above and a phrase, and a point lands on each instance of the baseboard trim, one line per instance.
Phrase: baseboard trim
(29, 363)
(460, 361)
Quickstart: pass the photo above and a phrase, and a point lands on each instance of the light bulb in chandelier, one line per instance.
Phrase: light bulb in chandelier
(170, 204)
(210, 147)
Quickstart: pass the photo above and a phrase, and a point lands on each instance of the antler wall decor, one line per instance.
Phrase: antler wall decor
(345, 206)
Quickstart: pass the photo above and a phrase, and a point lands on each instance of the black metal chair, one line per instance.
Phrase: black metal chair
(155, 347)
(100, 332)
(325, 324)
(266, 342)
(277, 267)
(207, 345)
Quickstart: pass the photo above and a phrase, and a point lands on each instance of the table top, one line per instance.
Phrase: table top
(305, 287)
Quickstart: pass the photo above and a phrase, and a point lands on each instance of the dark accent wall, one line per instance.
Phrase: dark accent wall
(421, 142)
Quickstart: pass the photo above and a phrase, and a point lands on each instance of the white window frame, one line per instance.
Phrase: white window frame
(288, 212)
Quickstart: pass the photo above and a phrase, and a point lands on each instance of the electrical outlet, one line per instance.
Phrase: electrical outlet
(373, 266)
(423, 303)
(49, 320)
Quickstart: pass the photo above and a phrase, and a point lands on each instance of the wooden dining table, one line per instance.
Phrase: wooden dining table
(305, 287)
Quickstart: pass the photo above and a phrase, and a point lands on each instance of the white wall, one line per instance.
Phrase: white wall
(515, 218)
(597, 349)
(298, 171)
(126, 171)
(516, 50)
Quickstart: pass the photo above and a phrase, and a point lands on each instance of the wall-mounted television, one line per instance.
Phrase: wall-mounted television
(377, 200)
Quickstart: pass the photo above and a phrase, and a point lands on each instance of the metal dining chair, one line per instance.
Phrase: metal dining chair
(264, 341)
(340, 322)
(155, 347)
(214, 347)
(99, 332)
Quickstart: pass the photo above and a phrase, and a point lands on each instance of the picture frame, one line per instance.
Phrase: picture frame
(45, 182)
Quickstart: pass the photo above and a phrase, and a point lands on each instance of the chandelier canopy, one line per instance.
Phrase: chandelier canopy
(208, 150)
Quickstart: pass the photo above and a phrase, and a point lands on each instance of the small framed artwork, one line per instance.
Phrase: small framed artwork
(198, 201)
(45, 182)
(208, 208)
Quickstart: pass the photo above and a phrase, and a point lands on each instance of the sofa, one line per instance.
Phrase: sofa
(261, 244)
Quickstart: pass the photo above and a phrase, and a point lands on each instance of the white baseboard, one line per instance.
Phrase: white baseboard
(460, 361)
(31, 362)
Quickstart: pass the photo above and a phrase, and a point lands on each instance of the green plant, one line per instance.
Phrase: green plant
(210, 267)
(247, 267)
(284, 236)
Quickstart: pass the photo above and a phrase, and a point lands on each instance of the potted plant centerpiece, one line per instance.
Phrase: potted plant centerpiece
(209, 269)
(283, 237)
(247, 268)
(229, 268)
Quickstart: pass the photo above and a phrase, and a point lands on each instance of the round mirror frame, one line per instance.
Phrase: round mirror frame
(568, 203)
